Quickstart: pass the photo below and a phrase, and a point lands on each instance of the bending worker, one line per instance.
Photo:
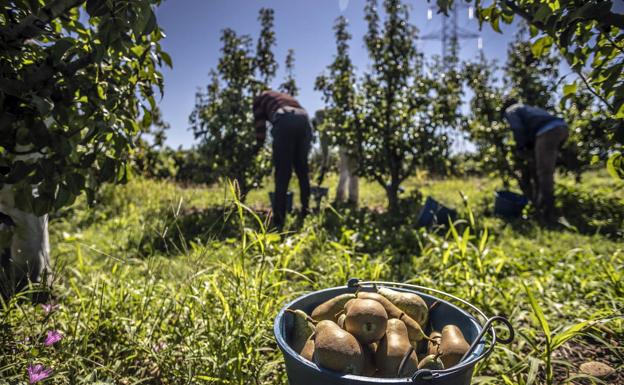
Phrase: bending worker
(539, 135)
(292, 134)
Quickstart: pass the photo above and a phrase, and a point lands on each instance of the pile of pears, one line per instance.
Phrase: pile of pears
(375, 334)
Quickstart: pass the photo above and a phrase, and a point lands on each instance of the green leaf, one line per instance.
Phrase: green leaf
(543, 13)
(541, 46)
(554, 5)
(167, 59)
(41, 205)
(569, 89)
(60, 47)
(615, 165)
(151, 23)
(23, 196)
(571, 332)
(539, 314)
(597, 10)
(100, 91)
(533, 30)
(63, 196)
(620, 110)
(495, 24)
(75, 183)
(96, 8)
(44, 106)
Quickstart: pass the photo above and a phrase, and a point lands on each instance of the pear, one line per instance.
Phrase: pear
(433, 343)
(391, 350)
(308, 349)
(337, 349)
(366, 319)
(393, 311)
(414, 330)
(328, 309)
(303, 328)
(348, 304)
(412, 304)
(431, 362)
(453, 346)
(341, 320)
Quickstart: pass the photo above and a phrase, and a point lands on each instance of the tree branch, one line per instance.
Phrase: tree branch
(591, 89)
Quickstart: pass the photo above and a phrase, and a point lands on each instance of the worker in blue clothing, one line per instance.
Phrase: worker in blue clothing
(539, 136)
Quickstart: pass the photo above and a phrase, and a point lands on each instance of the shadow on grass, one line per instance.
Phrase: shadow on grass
(582, 212)
(377, 230)
(592, 212)
(176, 232)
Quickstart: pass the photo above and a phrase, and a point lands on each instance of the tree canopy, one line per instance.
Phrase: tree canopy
(74, 77)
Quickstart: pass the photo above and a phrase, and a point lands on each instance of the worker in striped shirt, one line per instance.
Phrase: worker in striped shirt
(292, 135)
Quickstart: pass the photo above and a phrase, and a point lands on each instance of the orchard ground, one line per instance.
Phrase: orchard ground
(168, 284)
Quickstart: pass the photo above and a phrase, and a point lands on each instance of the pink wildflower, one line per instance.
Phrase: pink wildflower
(49, 308)
(53, 337)
(37, 373)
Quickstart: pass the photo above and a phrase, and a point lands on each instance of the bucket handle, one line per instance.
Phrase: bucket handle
(427, 374)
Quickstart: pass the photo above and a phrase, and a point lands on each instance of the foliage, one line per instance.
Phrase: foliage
(75, 76)
(290, 84)
(150, 157)
(341, 116)
(588, 34)
(223, 118)
(592, 132)
(485, 127)
(264, 62)
(570, 26)
(530, 78)
(399, 129)
(445, 82)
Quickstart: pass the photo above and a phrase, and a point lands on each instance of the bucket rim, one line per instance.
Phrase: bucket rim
(287, 349)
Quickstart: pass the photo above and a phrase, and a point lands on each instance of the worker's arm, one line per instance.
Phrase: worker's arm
(260, 120)
(260, 127)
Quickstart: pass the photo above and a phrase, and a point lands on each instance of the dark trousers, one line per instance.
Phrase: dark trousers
(292, 135)
(546, 149)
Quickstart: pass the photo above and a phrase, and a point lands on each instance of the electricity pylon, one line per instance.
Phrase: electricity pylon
(451, 33)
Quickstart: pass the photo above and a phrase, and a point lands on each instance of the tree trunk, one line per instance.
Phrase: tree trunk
(25, 258)
(392, 193)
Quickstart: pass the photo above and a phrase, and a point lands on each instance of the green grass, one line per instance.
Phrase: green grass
(161, 284)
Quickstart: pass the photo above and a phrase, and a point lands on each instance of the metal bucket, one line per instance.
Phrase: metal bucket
(303, 372)
(509, 204)
(433, 212)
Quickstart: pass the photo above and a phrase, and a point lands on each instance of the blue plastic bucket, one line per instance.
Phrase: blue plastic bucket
(433, 212)
(303, 372)
(289, 200)
(509, 204)
(318, 191)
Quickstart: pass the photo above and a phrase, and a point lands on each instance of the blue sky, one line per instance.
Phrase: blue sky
(193, 29)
